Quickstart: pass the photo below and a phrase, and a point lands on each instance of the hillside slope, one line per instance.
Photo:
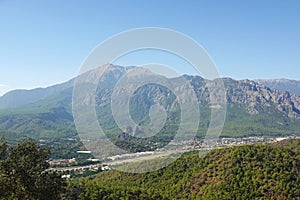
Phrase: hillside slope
(269, 171)
(18, 98)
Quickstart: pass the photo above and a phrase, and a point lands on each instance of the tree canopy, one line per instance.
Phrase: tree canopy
(261, 171)
(23, 172)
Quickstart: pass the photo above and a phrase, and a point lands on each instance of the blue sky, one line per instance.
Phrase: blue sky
(45, 42)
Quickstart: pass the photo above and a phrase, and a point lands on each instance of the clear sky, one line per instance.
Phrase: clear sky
(44, 42)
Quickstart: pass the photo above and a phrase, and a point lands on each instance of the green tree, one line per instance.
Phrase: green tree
(23, 173)
(3, 148)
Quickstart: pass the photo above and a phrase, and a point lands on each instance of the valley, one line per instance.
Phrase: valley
(88, 165)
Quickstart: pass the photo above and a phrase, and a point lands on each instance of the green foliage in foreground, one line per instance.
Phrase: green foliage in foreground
(23, 175)
(242, 172)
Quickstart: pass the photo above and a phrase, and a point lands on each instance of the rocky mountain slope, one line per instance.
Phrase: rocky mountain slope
(258, 98)
(252, 108)
(291, 86)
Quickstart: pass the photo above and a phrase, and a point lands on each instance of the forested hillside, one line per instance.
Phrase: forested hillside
(269, 171)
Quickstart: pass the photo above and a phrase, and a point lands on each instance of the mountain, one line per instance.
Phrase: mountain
(262, 171)
(252, 108)
(291, 86)
(50, 117)
(17, 98)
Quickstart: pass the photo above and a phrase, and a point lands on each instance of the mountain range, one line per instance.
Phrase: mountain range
(261, 107)
(292, 86)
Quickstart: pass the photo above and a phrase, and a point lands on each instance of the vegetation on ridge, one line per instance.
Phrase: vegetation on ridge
(241, 172)
(23, 173)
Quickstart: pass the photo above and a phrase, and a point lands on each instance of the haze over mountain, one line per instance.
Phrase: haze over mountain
(17, 98)
(291, 86)
(252, 108)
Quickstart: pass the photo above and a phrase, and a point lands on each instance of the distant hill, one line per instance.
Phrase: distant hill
(269, 171)
(252, 108)
(17, 98)
(291, 86)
